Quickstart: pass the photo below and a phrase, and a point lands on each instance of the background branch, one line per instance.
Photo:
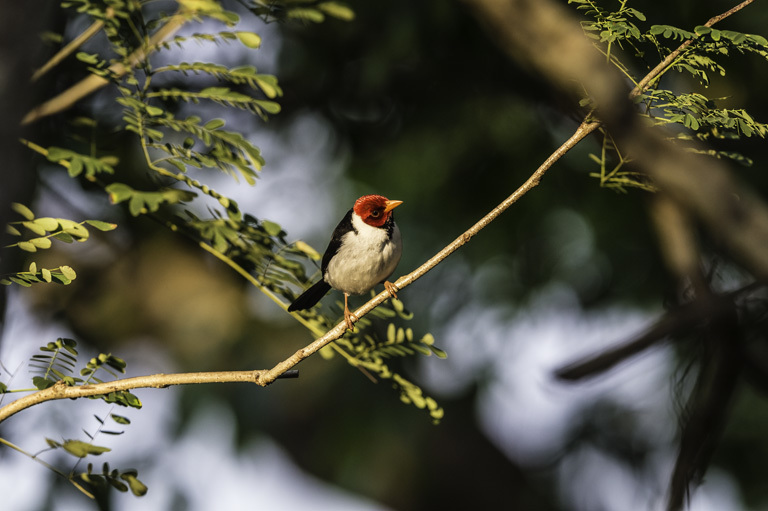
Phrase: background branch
(74, 44)
(92, 83)
(547, 38)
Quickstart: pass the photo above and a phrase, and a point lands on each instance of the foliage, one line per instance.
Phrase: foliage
(692, 116)
(41, 230)
(57, 364)
(161, 114)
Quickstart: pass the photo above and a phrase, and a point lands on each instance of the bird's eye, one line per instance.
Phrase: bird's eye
(375, 213)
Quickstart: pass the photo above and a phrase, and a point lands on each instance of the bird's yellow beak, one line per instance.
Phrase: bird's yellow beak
(391, 204)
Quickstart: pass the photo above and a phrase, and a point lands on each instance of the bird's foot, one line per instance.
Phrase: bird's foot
(350, 319)
(391, 288)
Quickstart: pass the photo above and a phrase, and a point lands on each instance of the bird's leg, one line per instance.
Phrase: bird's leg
(348, 316)
(391, 288)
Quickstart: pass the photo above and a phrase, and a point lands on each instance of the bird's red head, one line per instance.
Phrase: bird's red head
(375, 210)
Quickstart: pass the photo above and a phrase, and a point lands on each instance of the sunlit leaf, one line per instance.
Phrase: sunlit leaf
(81, 449)
(249, 39)
(23, 210)
(102, 226)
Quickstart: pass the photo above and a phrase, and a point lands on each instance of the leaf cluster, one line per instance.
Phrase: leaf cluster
(309, 11)
(180, 147)
(369, 349)
(120, 480)
(694, 115)
(39, 233)
(57, 362)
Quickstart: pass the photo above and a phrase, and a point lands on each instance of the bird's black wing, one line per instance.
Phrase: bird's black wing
(343, 228)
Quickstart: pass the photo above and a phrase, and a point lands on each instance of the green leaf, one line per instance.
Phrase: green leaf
(249, 39)
(115, 483)
(154, 111)
(214, 124)
(102, 226)
(74, 229)
(438, 352)
(306, 14)
(68, 272)
(41, 242)
(63, 236)
(391, 333)
(32, 226)
(76, 163)
(120, 419)
(637, 14)
(118, 192)
(142, 202)
(47, 223)
(27, 246)
(42, 383)
(23, 210)
(308, 250)
(46, 274)
(137, 487)
(337, 10)
(81, 449)
(88, 58)
(268, 106)
(272, 228)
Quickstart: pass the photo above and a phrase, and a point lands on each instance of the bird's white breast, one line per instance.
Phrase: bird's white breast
(366, 257)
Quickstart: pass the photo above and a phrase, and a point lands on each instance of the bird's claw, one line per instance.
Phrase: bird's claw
(350, 319)
(391, 288)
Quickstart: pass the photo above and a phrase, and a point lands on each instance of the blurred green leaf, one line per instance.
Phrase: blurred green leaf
(23, 210)
(81, 449)
(249, 39)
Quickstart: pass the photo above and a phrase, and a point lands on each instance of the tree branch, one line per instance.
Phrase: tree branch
(282, 369)
(61, 390)
(74, 44)
(581, 132)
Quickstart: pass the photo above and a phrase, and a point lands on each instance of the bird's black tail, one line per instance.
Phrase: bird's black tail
(310, 297)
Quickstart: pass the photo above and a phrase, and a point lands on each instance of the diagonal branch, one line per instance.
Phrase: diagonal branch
(73, 45)
(581, 132)
(283, 369)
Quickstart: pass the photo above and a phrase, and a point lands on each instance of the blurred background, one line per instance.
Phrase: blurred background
(411, 100)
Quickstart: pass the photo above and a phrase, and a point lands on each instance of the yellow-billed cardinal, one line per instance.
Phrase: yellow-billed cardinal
(364, 250)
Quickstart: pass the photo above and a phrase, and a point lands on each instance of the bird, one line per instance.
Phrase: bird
(364, 250)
